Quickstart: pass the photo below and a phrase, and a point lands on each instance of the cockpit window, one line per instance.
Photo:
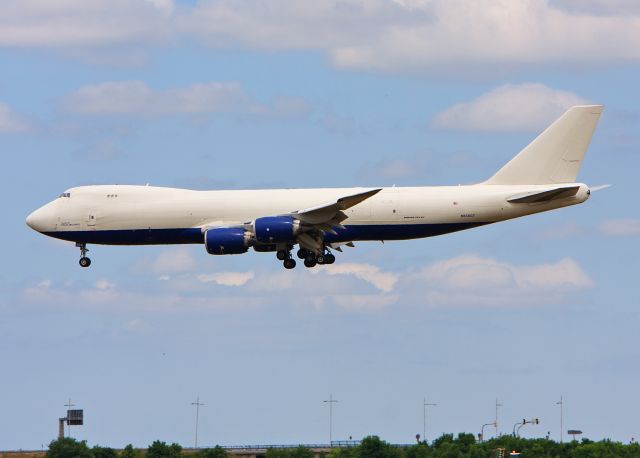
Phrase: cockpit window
(65, 194)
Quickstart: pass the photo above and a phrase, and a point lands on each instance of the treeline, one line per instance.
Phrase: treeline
(71, 448)
(446, 446)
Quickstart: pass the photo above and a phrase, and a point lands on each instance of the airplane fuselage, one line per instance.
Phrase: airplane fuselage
(137, 215)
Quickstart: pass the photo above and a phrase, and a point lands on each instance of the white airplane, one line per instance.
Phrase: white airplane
(540, 178)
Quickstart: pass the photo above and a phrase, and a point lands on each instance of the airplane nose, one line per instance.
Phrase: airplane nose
(31, 220)
(36, 220)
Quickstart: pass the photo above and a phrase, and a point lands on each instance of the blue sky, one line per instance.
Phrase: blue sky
(249, 94)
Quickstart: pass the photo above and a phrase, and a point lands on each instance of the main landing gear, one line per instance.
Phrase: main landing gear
(84, 261)
(311, 259)
(287, 261)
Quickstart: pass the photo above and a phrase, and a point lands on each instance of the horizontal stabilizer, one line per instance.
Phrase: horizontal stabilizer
(544, 196)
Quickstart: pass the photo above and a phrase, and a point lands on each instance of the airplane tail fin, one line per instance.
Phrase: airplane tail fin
(556, 154)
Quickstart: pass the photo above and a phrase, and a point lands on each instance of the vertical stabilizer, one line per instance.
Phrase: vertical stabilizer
(556, 154)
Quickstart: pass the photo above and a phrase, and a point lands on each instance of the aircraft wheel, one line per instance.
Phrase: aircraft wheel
(329, 259)
(84, 262)
(322, 259)
(302, 253)
(310, 261)
(289, 263)
(281, 255)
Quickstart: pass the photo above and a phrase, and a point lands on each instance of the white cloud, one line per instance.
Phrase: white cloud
(391, 36)
(421, 35)
(49, 294)
(384, 281)
(521, 107)
(104, 284)
(137, 98)
(478, 281)
(84, 23)
(621, 227)
(227, 278)
(173, 260)
(10, 121)
(463, 281)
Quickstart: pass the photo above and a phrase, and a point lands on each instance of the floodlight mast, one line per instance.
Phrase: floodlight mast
(496, 420)
(425, 404)
(561, 404)
(331, 401)
(68, 406)
(197, 404)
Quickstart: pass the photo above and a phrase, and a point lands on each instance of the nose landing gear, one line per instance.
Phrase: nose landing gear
(84, 260)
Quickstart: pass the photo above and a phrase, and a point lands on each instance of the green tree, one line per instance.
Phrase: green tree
(420, 450)
(215, 452)
(347, 452)
(277, 453)
(130, 452)
(67, 447)
(300, 452)
(373, 447)
(103, 452)
(162, 450)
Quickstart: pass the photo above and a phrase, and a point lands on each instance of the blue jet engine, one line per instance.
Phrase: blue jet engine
(227, 240)
(276, 229)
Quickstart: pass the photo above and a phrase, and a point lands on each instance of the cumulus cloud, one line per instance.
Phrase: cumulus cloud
(421, 35)
(227, 278)
(474, 280)
(170, 261)
(512, 107)
(463, 281)
(49, 293)
(84, 23)
(104, 284)
(383, 281)
(10, 121)
(624, 227)
(137, 98)
(390, 36)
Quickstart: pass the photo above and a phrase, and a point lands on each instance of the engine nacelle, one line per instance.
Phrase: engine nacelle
(276, 229)
(226, 240)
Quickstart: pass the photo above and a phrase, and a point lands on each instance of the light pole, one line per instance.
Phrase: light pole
(68, 405)
(331, 401)
(561, 404)
(496, 421)
(197, 404)
(425, 404)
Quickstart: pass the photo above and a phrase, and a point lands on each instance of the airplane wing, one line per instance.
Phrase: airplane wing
(329, 211)
(544, 196)
(325, 217)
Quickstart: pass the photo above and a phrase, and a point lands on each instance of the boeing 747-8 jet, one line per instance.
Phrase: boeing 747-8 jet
(540, 178)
